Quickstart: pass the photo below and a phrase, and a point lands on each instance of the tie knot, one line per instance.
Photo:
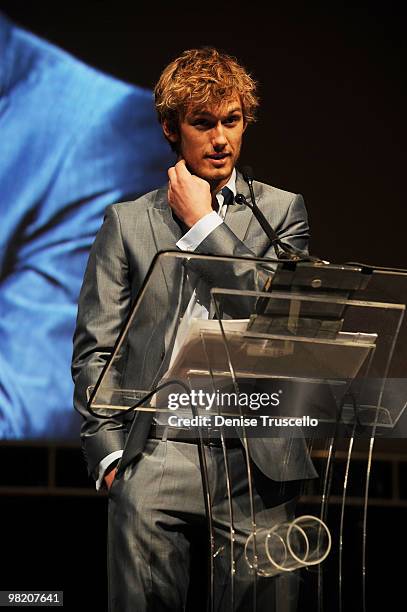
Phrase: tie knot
(227, 196)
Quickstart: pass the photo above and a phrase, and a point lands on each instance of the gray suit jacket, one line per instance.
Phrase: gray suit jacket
(131, 235)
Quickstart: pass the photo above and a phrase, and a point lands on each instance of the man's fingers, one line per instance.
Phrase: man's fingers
(169, 193)
(179, 172)
(181, 169)
(172, 174)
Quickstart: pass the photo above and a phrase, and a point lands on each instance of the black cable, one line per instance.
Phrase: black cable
(146, 397)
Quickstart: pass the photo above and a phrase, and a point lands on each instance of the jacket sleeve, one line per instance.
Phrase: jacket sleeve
(293, 230)
(104, 303)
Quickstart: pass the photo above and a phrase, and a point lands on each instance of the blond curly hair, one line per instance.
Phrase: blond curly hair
(200, 77)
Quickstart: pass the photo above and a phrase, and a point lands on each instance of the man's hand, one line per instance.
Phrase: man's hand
(109, 478)
(189, 196)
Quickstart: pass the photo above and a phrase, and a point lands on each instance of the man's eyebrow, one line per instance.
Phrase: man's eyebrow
(205, 113)
(234, 110)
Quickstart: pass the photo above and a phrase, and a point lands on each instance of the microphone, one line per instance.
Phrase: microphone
(248, 175)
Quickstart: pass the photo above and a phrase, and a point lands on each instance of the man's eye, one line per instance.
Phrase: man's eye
(201, 122)
(233, 119)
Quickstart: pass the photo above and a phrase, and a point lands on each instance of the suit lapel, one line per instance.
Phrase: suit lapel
(166, 232)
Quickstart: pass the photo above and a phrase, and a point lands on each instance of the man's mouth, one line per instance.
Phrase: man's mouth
(218, 155)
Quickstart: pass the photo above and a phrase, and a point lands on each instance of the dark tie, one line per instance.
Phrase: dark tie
(228, 198)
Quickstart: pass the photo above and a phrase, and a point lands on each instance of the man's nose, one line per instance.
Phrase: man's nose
(218, 135)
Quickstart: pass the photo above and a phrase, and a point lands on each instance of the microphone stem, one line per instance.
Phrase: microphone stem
(287, 252)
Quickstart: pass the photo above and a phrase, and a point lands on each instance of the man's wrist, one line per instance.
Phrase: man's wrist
(110, 475)
(196, 234)
(191, 220)
(111, 467)
(108, 479)
(107, 463)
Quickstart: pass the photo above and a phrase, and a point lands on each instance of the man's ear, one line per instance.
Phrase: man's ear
(168, 132)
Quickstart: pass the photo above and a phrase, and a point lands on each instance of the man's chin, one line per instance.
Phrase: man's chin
(216, 175)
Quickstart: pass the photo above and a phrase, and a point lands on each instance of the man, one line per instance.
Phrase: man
(205, 101)
(72, 142)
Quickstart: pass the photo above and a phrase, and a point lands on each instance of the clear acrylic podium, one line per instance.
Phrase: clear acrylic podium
(295, 360)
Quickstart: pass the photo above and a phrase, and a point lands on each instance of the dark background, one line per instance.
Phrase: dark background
(331, 126)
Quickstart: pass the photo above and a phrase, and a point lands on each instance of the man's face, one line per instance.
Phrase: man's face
(209, 139)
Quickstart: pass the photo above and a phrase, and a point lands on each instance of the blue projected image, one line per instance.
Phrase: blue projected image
(73, 141)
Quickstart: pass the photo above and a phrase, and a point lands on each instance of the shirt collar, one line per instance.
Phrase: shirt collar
(232, 186)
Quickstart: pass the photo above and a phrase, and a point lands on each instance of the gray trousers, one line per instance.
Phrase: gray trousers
(158, 502)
